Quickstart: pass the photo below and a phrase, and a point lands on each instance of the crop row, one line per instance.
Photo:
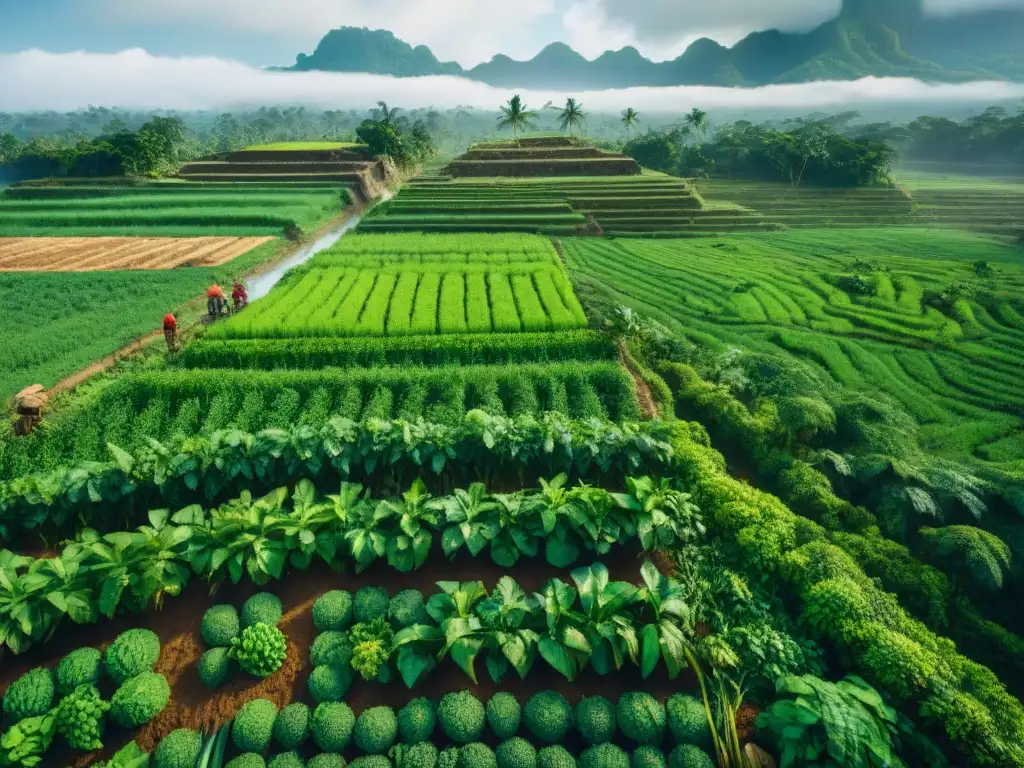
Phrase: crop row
(367, 352)
(418, 244)
(478, 259)
(132, 202)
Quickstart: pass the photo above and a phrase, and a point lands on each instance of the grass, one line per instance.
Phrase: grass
(301, 146)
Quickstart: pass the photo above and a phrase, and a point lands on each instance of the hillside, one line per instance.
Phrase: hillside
(869, 38)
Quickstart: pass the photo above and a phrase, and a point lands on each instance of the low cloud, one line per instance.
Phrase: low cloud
(37, 80)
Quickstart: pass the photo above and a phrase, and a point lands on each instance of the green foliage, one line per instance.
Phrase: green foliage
(416, 721)
(516, 753)
(548, 716)
(254, 726)
(81, 718)
(647, 757)
(376, 730)
(292, 725)
(31, 695)
(326, 760)
(220, 626)
(291, 759)
(595, 719)
(370, 603)
(407, 608)
(688, 721)
(641, 718)
(83, 666)
(421, 755)
(215, 667)
(979, 557)
(604, 756)
(24, 743)
(461, 717)
(328, 683)
(261, 608)
(370, 761)
(178, 749)
(331, 647)
(333, 723)
(448, 758)
(248, 760)
(132, 653)
(372, 643)
(555, 756)
(689, 756)
(139, 699)
(332, 611)
(504, 715)
(261, 650)
(477, 755)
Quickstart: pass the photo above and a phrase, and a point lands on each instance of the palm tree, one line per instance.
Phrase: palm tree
(516, 116)
(630, 117)
(572, 116)
(384, 115)
(698, 120)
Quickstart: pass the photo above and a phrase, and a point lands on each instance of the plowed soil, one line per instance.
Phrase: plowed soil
(82, 254)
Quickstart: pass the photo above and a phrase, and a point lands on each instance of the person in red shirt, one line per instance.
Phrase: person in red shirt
(171, 332)
(214, 300)
(240, 296)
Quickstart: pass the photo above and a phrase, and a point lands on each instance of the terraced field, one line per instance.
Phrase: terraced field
(995, 206)
(64, 254)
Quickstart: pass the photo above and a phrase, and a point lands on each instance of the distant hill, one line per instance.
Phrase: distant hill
(870, 37)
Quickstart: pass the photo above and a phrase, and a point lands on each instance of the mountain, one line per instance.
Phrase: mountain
(883, 38)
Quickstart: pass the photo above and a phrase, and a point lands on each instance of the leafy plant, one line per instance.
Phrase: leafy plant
(25, 742)
(371, 647)
(260, 651)
(408, 547)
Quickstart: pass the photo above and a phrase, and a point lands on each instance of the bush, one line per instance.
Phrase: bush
(291, 726)
(477, 755)
(333, 723)
(261, 650)
(648, 757)
(555, 757)
(407, 608)
(448, 758)
(504, 715)
(248, 760)
(595, 719)
(604, 756)
(688, 721)
(328, 683)
(370, 603)
(31, 695)
(422, 755)
(416, 721)
(461, 717)
(689, 756)
(179, 749)
(372, 642)
(254, 725)
(80, 718)
(548, 716)
(220, 626)
(140, 699)
(516, 753)
(80, 667)
(261, 608)
(326, 760)
(132, 653)
(370, 761)
(331, 647)
(215, 667)
(332, 611)
(641, 718)
(376, 730)
(287, 760)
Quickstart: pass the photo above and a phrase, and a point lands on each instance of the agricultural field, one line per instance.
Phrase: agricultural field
(995, 206)
(87, 254)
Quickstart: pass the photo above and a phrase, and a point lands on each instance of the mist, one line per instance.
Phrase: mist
(36, 80)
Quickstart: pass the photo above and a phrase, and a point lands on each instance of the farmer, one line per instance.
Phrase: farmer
(239, 295)
(214, 300)
(171, 331)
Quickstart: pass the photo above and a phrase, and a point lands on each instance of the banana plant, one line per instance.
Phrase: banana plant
(518, 532)
(663, 516)
(605, 619)
(507, 638)
(408, 548)
(472, 520)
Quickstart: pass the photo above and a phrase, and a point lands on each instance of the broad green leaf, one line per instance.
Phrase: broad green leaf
(651, 650)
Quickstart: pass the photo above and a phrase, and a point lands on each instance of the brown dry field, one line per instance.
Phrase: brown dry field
(85, 254)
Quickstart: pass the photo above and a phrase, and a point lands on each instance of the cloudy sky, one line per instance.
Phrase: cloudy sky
(265, 32)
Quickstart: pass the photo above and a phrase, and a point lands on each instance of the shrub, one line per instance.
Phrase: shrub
(140, 699)
(370, 603)
(595, 719)
(477, 755)
(254, 725)
(370, 761)
(689, 756)
(215, 667)
(688, 721)
(332, 611)
(261, 608)
(504, 715)
(31, 695)
(376, 730)
(416, 721)
(326, 760)
(516, 753)
(555, 756)
(80, 718)
(220, 626)
(132, 653)
(80, 667)
(331, 647)
(248, 760)
(461, 717)
(641, 718)
(372, 642)
(333, 723)
(407, 608)
(422, 755)
(604, 756)
(328, 683)
(179, 749)
(548, 716)
(261, 650)
(448, 758)
(289, 759)
(647, 757)
(291, 727)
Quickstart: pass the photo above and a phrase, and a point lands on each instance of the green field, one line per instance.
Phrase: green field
(301, 146)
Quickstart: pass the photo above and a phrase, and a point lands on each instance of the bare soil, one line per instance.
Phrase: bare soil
(83, 254)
